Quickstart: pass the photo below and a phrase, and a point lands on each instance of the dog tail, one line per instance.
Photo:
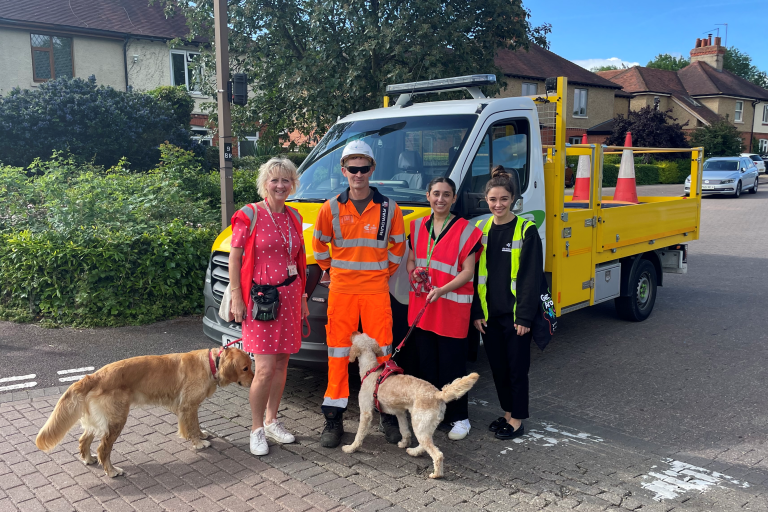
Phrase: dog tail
(457, 388)
(68, 411)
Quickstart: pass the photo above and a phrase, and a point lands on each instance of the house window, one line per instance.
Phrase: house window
(574, 140)
(739, 115)
(51, 57)
(580, 103)
(529, 88)
(765, 114)
(185, 70)
(202, 136)
(763, 146)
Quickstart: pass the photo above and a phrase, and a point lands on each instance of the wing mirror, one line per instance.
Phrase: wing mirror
(743, 169)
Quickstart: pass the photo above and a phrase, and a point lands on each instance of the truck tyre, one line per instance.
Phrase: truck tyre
(642, 285)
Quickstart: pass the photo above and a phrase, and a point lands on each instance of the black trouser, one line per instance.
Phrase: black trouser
(440, 360)
(510, 359)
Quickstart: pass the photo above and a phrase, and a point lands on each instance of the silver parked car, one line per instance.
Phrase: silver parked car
(727, 175)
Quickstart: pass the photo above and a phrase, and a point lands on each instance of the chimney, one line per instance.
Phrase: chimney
(712, 54)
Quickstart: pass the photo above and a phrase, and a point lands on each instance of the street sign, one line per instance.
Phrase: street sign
(227, 151)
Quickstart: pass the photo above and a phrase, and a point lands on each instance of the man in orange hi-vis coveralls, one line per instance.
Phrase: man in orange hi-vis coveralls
(360, 224)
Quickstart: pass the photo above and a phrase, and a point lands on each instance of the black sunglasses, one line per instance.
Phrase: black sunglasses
(365, 169)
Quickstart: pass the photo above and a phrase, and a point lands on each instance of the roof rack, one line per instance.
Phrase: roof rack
(469, 83)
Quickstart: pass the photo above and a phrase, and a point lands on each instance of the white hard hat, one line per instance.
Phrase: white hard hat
(357, 148)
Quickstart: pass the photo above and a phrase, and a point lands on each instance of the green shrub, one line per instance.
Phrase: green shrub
(670, 171)
(178, 99)
(610, 175)
(646, 174)
(104, 277)
(98, 124)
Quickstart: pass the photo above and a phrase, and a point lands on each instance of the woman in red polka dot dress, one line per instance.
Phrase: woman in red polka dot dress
(269, 256)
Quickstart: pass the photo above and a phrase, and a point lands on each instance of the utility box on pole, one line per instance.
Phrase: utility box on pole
(221, 41)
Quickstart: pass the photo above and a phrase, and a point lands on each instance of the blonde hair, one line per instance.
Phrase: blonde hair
(276, 166)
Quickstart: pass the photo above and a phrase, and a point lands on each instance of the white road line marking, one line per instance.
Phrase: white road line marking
(76, 370)
(20, 377)
(18, 386)
(681, 477)
(70, 379)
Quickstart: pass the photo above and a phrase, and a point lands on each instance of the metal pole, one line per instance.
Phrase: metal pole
(221, 40)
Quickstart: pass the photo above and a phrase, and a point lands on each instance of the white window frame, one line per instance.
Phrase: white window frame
(188, 55)
(199, 137)
(574, 140)
(527, 86)
(765, 114)
(738, 116)
(763, 146)
(580, 102)
(251, 138)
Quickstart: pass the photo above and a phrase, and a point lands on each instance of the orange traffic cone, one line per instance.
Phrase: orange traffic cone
(583, 172)
(626, 186)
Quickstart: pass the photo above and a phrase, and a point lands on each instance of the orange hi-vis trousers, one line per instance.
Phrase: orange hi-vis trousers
(345, 311)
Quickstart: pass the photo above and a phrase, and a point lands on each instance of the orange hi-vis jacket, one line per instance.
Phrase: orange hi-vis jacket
(363, 260)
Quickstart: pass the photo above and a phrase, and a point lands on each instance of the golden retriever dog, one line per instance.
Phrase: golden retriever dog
(401, 393)
(178, 382)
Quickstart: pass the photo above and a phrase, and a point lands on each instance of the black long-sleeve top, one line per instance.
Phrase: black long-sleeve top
(499, 264)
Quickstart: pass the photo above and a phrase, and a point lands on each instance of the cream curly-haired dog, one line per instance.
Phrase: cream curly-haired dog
(401, 393)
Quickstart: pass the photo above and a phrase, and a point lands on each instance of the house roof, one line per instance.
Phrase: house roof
(604, 128)
(701, 79)
(121, 17)
(641, 80)
(538, 63)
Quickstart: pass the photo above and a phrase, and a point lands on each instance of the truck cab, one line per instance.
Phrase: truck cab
(414, 142)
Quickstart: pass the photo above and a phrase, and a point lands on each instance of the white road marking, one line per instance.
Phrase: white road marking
(76, 370)
(477, 401)
(18, 386)
(552, 436)
(70, 379)
(20, 377)
(681, 477)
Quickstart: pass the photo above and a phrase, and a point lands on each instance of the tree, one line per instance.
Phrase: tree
(740, 64)
(608, 67)
(650, 128)
(178, 99)
(310, 61)
(93, 123)
(718, 139)
(668, 62)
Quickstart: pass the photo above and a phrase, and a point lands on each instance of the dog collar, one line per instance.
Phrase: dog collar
(214, 363)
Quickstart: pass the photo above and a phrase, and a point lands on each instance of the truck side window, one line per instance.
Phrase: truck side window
(505, 143)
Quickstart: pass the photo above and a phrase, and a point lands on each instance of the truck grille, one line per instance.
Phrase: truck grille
(219, 274)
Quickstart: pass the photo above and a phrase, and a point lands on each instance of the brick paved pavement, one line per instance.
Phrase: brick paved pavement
(664, 415)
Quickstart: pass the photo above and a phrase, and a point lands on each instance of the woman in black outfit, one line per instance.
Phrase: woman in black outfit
(507, 282)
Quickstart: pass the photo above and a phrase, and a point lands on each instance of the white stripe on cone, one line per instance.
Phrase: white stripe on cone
(583, 174)
(626, 185)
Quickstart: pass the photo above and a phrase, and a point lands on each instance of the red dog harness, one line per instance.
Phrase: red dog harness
(389, 368)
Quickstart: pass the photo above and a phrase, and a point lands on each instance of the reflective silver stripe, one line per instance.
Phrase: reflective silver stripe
(386, 349)
(251, 214)
(336, 402)
(421, 262)
(390, 213)
(334, 204)
(364, 242)
(322, 255)
(468, 230)
(360, 265)
(415, 233)
(320, 236)
(444, 267)
(394, 258)
(484, 240)
(295, 213)
(396, 239)
(514, 285)
(517, 244)
(482, 279)
(338, 351)
(455, 297)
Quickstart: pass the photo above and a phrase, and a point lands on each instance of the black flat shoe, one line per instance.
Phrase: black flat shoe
(506, 432)
(497, 424)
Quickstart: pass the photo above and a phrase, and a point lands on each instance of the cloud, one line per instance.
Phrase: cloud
(613, 61)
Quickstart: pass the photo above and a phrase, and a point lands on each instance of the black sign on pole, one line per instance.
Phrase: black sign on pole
(228, 151)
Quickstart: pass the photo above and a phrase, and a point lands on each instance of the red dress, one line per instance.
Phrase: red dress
(283, 335)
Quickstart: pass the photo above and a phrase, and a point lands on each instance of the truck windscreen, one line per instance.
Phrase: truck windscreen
(409, 152)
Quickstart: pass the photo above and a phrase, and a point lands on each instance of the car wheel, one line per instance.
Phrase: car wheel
(753, 190)
(642, 284)
(737, 194)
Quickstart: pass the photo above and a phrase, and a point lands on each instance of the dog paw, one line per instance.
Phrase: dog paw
(200, 444)
(90, 460)
(413, 452)
(204, 434)
(404, 443)
(113, 471)
(348, 449)
(435, 475)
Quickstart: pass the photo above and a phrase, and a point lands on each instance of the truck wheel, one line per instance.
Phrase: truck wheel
(638, 306)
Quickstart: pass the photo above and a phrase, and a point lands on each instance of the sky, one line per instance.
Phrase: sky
(597, 32)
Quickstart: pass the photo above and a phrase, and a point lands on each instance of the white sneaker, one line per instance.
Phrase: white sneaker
(259, 444)
(276, 432)
(460, 430)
